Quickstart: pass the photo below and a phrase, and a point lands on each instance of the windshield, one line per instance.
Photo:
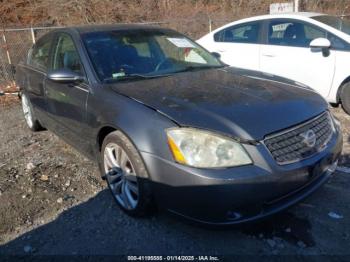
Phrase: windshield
(124, 55)
(342, 24)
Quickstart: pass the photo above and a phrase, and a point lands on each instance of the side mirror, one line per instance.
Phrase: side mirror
(65, 76)
(322, 43)
(217, 55)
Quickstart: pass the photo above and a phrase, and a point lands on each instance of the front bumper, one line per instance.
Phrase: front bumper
(240, 194)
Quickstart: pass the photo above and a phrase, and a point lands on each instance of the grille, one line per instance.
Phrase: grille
(290, 146)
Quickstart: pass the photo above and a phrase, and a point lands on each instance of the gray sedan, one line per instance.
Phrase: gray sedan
(173, 127)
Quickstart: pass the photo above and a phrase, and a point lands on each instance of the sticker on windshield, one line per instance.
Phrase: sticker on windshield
(181, 42)
(117, 75)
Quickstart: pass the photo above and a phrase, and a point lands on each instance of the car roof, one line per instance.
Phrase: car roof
(304, 14)
(288, 15)
(293, 15)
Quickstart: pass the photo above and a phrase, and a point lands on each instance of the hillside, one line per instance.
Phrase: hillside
(188, 16)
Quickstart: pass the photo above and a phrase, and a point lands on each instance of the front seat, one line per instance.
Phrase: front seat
(251, 35)
(71, 61)
(129, 59)
(228, 36)
(294, 35)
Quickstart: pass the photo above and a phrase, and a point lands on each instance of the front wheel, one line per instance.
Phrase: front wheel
(126, 175)
(29, 117)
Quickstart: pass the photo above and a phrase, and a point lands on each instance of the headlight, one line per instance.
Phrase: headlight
(204, 149)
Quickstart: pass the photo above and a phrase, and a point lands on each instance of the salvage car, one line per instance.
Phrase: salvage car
(172, 127)
(311, 48)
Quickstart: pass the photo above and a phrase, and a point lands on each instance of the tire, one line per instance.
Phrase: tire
(345, 97)
(29, 116)
(126, 175)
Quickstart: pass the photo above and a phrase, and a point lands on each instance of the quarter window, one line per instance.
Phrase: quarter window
(247, 33)
(66, 55)
(293, 33)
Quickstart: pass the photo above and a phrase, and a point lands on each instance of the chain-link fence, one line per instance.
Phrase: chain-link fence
(14, 45)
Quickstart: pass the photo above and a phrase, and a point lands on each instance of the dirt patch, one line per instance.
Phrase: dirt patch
(8, 100)
(39, 174)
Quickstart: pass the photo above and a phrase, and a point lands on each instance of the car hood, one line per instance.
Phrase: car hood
(241, 103)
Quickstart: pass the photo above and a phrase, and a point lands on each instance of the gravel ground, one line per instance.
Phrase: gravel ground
(54, 202)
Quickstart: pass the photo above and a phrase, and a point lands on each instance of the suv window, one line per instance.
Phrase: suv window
(39, 54)
(66, 55)
(246, 33)
(292, 33)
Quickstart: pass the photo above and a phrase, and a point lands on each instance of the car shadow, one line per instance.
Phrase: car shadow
(98, 227)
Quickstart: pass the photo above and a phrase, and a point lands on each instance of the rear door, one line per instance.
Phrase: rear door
(287, 53)
(36, 69)
(67, 101)
(239, 45)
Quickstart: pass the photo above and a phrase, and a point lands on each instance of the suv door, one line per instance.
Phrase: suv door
(287, 53)
(67, 101)
(239, 45)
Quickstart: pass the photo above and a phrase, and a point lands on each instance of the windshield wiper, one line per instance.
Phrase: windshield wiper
(141, 76)
(132, 77)
(126, 77)
(194, 68)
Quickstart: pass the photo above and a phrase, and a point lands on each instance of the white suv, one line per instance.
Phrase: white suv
(310, 48)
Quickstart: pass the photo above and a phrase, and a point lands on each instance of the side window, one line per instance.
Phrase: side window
(66, 55)
(292, 33)
(39, 54)
(246, 33)
(338, 43)
(312, 33)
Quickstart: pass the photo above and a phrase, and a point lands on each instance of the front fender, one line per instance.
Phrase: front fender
(144, 126)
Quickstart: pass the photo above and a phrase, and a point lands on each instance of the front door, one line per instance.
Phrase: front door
(287, 53)
(67, 101)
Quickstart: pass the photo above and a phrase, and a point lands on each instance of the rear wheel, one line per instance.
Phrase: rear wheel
(126, 175)
(29, 117)
(345, 97)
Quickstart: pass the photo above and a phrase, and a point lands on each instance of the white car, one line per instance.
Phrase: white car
(310, 48)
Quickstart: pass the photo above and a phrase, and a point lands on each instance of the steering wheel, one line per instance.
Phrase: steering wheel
(162, 63)
(125, 66)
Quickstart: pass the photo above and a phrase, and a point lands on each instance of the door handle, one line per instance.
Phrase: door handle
(221, 51)
(269, 55)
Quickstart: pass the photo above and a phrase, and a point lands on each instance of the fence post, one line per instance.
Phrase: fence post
(33, 34)
(210, 22)
(6, 47)
(296, 5)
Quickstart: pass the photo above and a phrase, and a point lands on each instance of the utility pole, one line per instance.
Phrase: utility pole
(296, 5)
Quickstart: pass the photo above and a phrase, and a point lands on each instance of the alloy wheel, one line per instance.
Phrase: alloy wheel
(121, 176)
(27, 111)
